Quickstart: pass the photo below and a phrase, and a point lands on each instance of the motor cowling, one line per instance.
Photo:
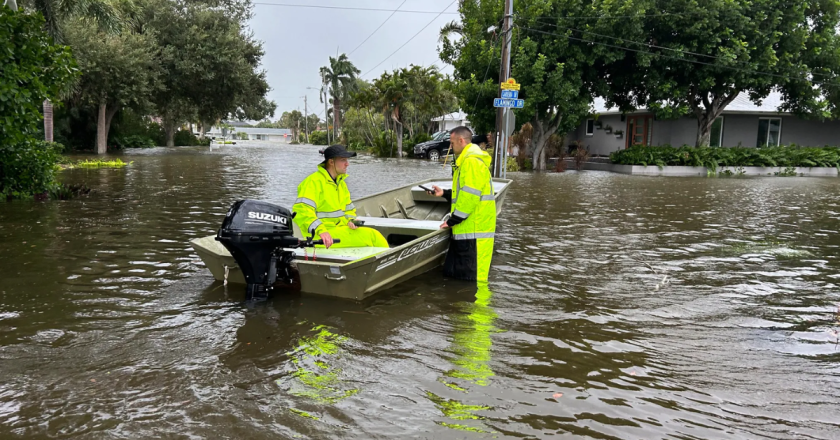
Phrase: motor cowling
(254, 232)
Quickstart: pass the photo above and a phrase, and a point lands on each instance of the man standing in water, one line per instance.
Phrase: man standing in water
(324, 208)
(473, 212)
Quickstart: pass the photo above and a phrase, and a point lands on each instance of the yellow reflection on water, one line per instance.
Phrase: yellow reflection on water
(315, 377)
(471, 344)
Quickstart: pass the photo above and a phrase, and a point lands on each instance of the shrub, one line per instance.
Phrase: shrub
(512, 164)
(28, 168)
(318, 138)
(714, 157)
(183, 138)
(134, 141)
(580, 155)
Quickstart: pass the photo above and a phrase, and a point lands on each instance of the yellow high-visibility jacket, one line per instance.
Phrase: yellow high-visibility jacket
(323, 203)
(473, 216)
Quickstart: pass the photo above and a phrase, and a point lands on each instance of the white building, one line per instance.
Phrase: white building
(452, 120)
(255, 133)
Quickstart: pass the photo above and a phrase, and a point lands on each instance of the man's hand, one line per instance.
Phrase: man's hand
(351, 225)
(444, 225)
(438, 191)
(328, 240)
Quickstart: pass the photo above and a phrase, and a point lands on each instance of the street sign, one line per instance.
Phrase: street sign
(510, 122)
(510, 94)
(510, 84)
(509, 103)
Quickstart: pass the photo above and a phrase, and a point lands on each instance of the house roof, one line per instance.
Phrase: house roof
(741, 104)
(454, 116)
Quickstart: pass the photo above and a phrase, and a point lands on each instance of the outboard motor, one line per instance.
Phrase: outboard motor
(256, 234)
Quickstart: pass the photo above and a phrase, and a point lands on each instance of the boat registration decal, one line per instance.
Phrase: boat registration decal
(416, 249)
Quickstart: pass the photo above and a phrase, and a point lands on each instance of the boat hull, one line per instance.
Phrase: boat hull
(357, 273)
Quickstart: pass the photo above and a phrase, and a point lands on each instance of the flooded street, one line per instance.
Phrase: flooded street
(618, 307)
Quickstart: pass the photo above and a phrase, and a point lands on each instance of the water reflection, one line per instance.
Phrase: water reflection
(110, 326)
(471, 346)
(315, 375)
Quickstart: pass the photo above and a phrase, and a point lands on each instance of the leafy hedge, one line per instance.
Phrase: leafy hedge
(714, 157)
(28, 168)
(318, 138)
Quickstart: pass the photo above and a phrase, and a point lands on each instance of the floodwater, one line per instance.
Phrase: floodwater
(618, 307)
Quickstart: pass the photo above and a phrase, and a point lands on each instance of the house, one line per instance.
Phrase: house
(256, 134)
(449, 121)
(742, 123)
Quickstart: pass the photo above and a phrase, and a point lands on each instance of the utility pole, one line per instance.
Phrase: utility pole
(306, 119)
(500, 150)
(326, 119)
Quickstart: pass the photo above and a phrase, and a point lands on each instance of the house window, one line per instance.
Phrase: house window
(717, 133)
(590, 127)
(769, 132)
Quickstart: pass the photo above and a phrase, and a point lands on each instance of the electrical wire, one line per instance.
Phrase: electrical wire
(653, 46)
(377, 29)
(348, 8)
(412, 38)
(674, 58)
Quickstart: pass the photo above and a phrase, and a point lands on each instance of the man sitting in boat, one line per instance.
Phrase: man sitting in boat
(324, 209)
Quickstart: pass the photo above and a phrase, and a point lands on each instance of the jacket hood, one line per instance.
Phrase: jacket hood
(473, 150)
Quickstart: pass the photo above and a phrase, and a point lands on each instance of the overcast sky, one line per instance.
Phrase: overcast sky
(298, 41)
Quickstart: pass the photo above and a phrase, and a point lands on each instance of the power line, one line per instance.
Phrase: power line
(377, 29)
(607, 17)
(347, 8)
(413, 37)
(674, 58)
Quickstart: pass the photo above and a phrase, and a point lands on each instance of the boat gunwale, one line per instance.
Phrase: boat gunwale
(389, 252)
(376, 257)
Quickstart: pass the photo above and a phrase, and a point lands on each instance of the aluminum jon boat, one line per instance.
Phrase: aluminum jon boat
(407, 217)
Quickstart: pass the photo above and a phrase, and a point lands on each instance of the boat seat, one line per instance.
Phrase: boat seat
(342, 255)
(399, 230)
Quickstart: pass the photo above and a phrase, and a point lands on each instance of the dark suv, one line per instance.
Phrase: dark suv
(439, 145)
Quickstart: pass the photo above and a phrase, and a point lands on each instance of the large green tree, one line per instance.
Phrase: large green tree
(340, 75)
(102, 14)
(118, 71)
(694, 57)
(558, 75)
(210, 64)
(32, 69)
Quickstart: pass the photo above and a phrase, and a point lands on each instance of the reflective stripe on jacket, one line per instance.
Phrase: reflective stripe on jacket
(473, 199)
(322, 203)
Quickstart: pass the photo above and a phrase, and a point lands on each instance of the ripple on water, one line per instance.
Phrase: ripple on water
(619, 307)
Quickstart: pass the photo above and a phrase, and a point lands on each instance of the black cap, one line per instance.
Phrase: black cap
(337, 151)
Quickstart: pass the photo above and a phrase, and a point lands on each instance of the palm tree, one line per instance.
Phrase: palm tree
(453, 27)
(341, 76)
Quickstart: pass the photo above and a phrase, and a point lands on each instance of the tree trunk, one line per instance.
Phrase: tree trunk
(399, 138)
(101, 130)
(540, 135)
(336, 123)
(169, 128)
(12, 4)
(48, 121)
(704, 131)
(709, 111)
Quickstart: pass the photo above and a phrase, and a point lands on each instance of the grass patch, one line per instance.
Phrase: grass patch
(93, 163)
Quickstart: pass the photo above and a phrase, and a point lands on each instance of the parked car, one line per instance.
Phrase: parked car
(439, 145)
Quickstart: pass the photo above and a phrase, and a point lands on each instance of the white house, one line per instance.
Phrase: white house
(255, 133)
(449, 121)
